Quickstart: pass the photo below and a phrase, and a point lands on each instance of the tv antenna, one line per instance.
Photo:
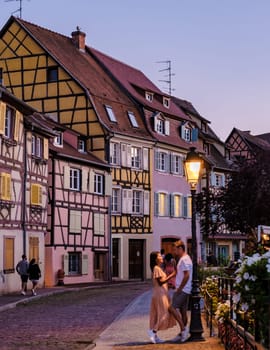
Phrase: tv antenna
(168, 76)
(19, 9)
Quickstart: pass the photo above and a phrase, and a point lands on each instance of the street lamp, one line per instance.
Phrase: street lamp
(193, 165)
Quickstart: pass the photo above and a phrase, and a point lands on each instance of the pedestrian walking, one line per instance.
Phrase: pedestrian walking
(161, 317)
(34, 275)
(22, 269)
(183, 285)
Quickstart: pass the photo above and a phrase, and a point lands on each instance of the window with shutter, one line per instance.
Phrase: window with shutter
(36, 194)
(99, 224)
(146, 203)
(17, 125)
(8, 255)
(6, 186)
(2, 117)
(75, 221)
(116, 201)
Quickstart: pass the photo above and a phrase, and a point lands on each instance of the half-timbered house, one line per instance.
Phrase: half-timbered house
(78, 234)
(57, 75)
(23, 187)
(175, 133)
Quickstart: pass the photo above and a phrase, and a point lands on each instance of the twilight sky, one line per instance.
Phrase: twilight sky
(219, 49)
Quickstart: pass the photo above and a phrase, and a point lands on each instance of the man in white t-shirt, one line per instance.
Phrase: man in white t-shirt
(183, 285)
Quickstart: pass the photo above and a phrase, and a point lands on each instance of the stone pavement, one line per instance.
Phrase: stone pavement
(129, 329)
(129, 332)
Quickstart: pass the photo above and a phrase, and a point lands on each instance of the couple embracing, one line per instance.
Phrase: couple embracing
(164, 313)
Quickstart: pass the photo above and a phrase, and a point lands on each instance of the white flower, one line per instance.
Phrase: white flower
(238, 279)
(247, 288)
(236, 298)
(253, 278)
(244, 307)
(246, 275)
(268, 268)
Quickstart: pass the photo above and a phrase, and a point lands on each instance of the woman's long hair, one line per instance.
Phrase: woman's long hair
(153, 260)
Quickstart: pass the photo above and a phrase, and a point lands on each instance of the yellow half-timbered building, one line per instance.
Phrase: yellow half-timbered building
(57, 75)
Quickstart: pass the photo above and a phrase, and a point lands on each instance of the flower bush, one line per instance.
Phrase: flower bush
(223, 311)
(252, 295)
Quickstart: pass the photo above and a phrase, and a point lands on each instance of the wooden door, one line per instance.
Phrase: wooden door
(136, 259)
(115, 257)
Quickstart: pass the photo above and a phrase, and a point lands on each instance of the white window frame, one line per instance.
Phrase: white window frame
(75, 179)
(137, 202)
(133, 119)
(176, 205)
(110, 114)
(116, 200)
(149, 96)
(163, 204)
(187, 134)
(82, 146)
(78, 263)
(136, 157)
(177, 164)
(58, 140)
(114, 153)
(166, 102)
(162, 161)
(99, 183)
(9, 120)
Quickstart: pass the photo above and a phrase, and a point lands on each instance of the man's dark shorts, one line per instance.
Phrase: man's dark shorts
(180, 301)
(24, 278)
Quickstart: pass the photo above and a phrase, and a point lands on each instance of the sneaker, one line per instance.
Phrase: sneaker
(184, 335)
(158, 340)
(152, 336)
(33, 292)
(177, 339)
(22, 292)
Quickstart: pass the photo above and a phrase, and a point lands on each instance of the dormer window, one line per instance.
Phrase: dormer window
(149, 96)
(132, 119)
(166, 102)
(82, 146)
(189, 133)
(161, 125)
(110, 114)
(58, 140)
(204, 127)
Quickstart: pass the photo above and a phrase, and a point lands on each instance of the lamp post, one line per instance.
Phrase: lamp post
(193, 164)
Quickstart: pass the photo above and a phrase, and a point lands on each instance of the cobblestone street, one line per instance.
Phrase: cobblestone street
(70, 320)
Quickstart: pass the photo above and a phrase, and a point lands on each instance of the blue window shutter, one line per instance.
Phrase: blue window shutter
(167, 205)
(167, 163)
(156, 160)
(194, 134)
(185, 208)
(172, 205)
(156, 204)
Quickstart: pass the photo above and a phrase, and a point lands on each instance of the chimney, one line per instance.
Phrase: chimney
(78, 39)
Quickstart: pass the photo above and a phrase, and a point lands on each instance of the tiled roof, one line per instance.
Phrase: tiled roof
(89, 74)
(218, 160)
(188, 108)
(134, 80)
(72, 154)
(254, 141)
